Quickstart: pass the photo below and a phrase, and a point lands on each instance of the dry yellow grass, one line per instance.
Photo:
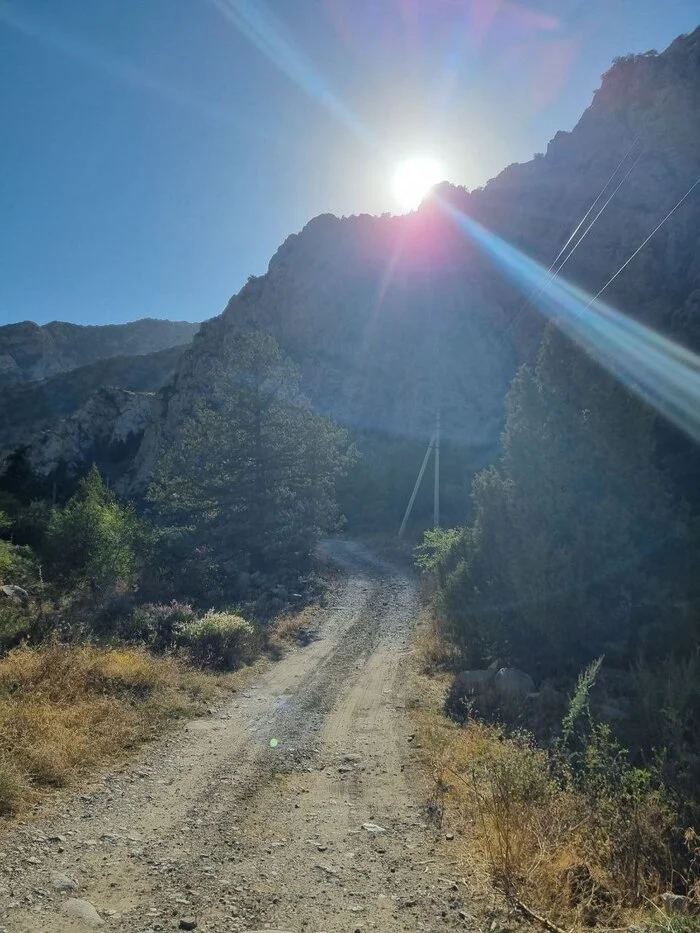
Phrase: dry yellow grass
(535, 840)
(290, 629)
(64, 709)
(432, 649)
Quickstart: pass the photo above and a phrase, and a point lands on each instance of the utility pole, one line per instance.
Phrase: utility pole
(436, 488)
(407, 513)
(433, 445)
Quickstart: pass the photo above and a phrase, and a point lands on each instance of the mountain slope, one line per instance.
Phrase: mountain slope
(31, 408)
(29, 352)
(389, 317)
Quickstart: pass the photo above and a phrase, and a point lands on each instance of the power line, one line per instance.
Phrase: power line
(644, 242)
(588, 228)
(600, 195)
(548, 277)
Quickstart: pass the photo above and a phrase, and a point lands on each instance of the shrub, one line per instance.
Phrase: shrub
(160, 625)
(221, 640)
(94, 538)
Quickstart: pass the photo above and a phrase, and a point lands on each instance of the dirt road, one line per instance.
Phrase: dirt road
(296, 807)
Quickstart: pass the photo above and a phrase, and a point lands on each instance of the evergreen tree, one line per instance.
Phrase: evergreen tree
(94, 539)
(253, 471)
(572, 527)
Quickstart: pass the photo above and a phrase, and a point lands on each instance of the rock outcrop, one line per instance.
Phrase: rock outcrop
(30, 408)
(106, 430)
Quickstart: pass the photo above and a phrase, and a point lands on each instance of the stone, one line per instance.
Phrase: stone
(15, 593)
(84, 911)
(476, 680)
(675, 903)
(187, 923)
(373, 828)
(62, 883)
(514, 683)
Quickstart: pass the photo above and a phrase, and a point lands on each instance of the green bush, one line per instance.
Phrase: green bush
(94, 539)
(159, 625)
(221, 640)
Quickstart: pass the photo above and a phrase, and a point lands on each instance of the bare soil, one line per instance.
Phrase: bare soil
(298, 806)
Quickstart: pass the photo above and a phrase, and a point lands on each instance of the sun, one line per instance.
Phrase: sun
(413, 179)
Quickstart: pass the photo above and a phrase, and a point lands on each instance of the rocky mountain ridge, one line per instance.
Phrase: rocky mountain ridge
(30, 352)
(389, 317)
(71, 395)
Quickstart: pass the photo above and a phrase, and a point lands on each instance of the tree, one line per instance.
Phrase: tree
(253, 470)
(94, 539)
(573, 527)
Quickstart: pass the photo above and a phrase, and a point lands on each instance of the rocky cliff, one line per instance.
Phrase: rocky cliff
(104, 430)
(30, 408)
(75, 395)
(29, 352)
(389, 317)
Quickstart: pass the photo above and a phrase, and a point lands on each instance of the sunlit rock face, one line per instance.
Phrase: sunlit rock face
(389, 317)
(29, 352)
(106, 430)
(52, 373)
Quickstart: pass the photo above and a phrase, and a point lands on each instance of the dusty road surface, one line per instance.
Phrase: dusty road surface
(296, 807)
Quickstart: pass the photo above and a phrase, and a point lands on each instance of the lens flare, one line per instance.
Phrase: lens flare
(663, 373)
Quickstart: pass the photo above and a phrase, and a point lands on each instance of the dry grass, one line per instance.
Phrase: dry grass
(64, 709)
(293, 629)
(535, 840)
(520, 827)
(433, 650)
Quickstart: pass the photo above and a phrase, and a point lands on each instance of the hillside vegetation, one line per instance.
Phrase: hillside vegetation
(576, 578)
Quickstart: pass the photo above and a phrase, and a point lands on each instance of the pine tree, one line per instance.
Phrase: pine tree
(94, 539)
(254, 469)
(562, 563)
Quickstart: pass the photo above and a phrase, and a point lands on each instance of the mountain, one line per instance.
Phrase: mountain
(390, 317)
(33, 407)
(72, 395)
(30, 352)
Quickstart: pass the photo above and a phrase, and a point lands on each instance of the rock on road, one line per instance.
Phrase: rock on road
(295, 807)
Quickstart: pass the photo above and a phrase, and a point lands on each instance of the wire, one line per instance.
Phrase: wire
(644, 242)
(548, 277)
(588, 228)
(600, 195)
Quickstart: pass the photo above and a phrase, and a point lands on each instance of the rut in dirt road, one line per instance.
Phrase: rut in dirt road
(295, 807)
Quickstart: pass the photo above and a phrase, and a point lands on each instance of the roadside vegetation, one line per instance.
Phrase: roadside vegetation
(564, 629)
(65, 709)
(116, 617)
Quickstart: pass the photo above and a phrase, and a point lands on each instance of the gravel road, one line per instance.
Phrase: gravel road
(296, 807)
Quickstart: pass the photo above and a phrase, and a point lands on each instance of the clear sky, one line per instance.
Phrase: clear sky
(154, 153)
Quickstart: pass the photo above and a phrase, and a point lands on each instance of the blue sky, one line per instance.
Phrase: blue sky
(156, 152)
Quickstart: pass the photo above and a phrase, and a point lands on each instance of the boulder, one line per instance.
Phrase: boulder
(675, 903)
(83, 911)
(15, 593)
(63, 883)
(511, 682)
(476, 681)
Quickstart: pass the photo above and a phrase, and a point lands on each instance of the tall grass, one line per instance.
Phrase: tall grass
(64, 709)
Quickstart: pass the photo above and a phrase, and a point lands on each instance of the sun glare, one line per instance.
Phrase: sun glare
(413, 179)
